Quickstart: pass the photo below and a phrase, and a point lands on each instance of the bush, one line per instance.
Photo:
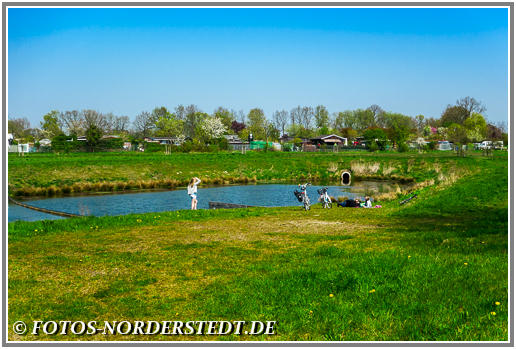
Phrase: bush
(67, 145)
(212, 148)
(403, 147)
(110, 143)
(373, 146)
(223, 144)
(287, 147)
(153, 147)
(44, 149)
(186, 147)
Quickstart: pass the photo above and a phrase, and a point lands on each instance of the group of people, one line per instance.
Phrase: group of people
(194, 182)
(356, 203)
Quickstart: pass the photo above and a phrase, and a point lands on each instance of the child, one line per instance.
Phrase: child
(192, 191)
(367, 203)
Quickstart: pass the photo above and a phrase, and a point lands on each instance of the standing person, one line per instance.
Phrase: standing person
(192, 191)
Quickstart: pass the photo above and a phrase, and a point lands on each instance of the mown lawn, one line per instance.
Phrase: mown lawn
(432, 270)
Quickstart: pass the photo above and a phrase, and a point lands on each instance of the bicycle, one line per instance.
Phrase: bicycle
(324, 198)
(302, 196)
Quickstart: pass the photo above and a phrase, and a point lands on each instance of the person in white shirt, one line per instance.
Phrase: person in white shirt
(368, 202)
(192, 191)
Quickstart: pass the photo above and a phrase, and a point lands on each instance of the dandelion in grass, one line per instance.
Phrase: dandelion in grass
(497, 303)
(331, 295)
(465, 263)
(372, 291)
(409, 257)
(311, 312)
(35, 229)
(139, 220)
(493, 313)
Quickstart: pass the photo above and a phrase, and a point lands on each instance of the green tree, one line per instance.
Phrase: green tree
(193, 118)
(18, 127)
(457, 134)
(344, 119)
(160, 113)
(349, 133)
(73, 122)
(454, 115)
(494, 133)
(144, 124)
(93, 136)
(244, 134)
(299, 131)
(272, 133)
(50, 124)
(280, 119)
(376, 137)
(225, 116)
(169, 126)
(399, 127)
(257, 123)
(374, 133)
(432, 122)
(322, 117)
(476, 127)
(363, 119)
(427, 131)
(378, 114)
(420, 123)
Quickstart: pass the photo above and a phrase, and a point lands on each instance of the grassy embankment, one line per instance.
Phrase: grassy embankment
(51, 174)
(434, 269)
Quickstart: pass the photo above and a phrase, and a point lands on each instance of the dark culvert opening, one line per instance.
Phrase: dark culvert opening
(345, 178)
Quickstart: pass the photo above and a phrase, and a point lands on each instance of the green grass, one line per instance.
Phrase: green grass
(54, 174)
(437, 266)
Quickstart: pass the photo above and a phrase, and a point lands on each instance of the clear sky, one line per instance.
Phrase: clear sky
(125, 61)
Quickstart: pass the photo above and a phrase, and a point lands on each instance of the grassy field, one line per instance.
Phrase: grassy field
(51, 174)
(435, 269)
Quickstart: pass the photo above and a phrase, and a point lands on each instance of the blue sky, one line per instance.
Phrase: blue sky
(125, 61)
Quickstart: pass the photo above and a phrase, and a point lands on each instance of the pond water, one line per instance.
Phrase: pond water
(269, 195)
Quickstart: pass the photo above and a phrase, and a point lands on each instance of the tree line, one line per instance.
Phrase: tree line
(462, 122)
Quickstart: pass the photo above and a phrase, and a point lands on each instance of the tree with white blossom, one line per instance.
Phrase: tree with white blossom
(212, 128)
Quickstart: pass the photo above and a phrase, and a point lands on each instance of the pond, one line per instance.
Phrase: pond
(270, 195)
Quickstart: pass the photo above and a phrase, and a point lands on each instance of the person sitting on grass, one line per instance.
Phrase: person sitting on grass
(192, 191)
(350, 203)
(367, 202)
